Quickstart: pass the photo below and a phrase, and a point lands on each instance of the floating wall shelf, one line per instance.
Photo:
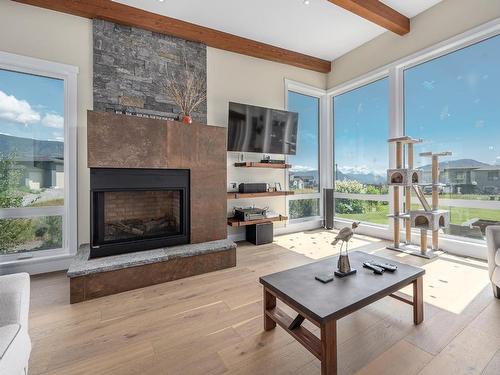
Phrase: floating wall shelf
(237, 195)
(252, 164)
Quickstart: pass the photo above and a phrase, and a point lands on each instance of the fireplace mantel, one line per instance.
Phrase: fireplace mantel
(122, 141)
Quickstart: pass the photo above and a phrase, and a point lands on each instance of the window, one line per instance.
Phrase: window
(303, 177)
(492, 175)
(34, 191)
(451, 102)
(361, 121)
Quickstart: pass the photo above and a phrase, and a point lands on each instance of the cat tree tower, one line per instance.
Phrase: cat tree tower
(431, 218)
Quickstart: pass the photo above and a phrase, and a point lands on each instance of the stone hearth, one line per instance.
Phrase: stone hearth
(93, 278)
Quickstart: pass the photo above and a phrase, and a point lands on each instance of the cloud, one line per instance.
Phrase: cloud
(429, 85)
(479, 124)
(16, 110)
(51, 120)
(445, 113)
(360, 108)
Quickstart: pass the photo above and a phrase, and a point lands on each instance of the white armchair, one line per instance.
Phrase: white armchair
(15, 343)
(493, 242)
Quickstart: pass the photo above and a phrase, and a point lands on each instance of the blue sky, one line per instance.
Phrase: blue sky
(361, 119)
(31, 106)
(452, 102)
(306, 157)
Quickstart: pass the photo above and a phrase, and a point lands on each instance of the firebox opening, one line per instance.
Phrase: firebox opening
(138, 209)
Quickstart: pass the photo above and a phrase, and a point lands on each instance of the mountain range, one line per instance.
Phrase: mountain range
(459, 163)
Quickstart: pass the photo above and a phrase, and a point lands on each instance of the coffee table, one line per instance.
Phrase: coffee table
(324, 304)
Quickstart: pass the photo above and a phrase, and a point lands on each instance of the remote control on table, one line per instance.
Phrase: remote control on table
(386, 266)
(376, 269)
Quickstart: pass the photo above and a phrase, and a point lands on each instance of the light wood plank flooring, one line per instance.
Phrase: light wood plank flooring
(212, 323)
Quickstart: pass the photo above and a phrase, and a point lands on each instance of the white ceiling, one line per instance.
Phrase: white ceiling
(319, 29)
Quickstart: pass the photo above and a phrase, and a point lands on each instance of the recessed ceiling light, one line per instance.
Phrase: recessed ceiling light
(307, 2)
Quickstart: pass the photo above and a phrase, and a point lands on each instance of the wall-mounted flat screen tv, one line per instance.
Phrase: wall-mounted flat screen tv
(262, 130)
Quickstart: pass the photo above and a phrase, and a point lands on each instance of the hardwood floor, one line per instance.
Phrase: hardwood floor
(212, 323)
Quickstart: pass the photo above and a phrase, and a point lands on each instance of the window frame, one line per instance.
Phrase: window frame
(323, 150)
(395, 72)
(68, 74)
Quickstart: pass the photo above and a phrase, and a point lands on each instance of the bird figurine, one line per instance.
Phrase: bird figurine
(344, 235)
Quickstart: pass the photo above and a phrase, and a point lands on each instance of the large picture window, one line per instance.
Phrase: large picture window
(361, 120)
(303, 177)
(452, 103)
(34, 184)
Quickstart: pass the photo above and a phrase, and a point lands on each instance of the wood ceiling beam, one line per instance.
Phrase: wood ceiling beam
(130, 16)
(377, 12)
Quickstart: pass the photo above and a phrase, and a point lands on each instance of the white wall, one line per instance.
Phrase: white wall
(442, 21)
(35, 32)
(238, 78)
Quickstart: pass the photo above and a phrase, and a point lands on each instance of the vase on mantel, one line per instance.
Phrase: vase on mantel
(187, 119)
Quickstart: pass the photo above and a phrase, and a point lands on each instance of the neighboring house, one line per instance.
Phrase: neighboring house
(488, 179)
(42, 173)
(297, 182)
(303, 182)
(460, 179)
(458, 175)
(41, 161)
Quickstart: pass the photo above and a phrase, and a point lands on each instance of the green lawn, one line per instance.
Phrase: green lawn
(458, 215)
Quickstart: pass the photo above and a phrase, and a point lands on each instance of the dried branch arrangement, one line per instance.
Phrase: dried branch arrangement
(187, 88)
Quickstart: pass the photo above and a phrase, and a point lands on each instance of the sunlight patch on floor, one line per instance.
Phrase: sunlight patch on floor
(450, 283)
(316, 244)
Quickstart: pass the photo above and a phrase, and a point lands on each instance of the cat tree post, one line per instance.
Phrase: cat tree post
(399, 165)
(435, 198)
(408, 194)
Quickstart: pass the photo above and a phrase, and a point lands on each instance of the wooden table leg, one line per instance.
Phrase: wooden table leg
(418, 301)
(329, 348)
(269, 304)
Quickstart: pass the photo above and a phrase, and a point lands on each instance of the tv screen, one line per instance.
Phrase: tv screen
(263, 130)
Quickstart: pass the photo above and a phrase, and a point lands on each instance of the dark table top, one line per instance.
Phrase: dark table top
(342, 296)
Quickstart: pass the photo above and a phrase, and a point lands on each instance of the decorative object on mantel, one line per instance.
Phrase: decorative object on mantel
(343, 264)
(187, 89)
(144, 115)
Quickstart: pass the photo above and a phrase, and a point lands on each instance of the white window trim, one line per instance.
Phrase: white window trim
(395, 70)
(50, 260)
(324, 155)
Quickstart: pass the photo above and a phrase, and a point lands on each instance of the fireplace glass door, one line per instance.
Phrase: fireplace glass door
(135, 215)
(138, 209)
